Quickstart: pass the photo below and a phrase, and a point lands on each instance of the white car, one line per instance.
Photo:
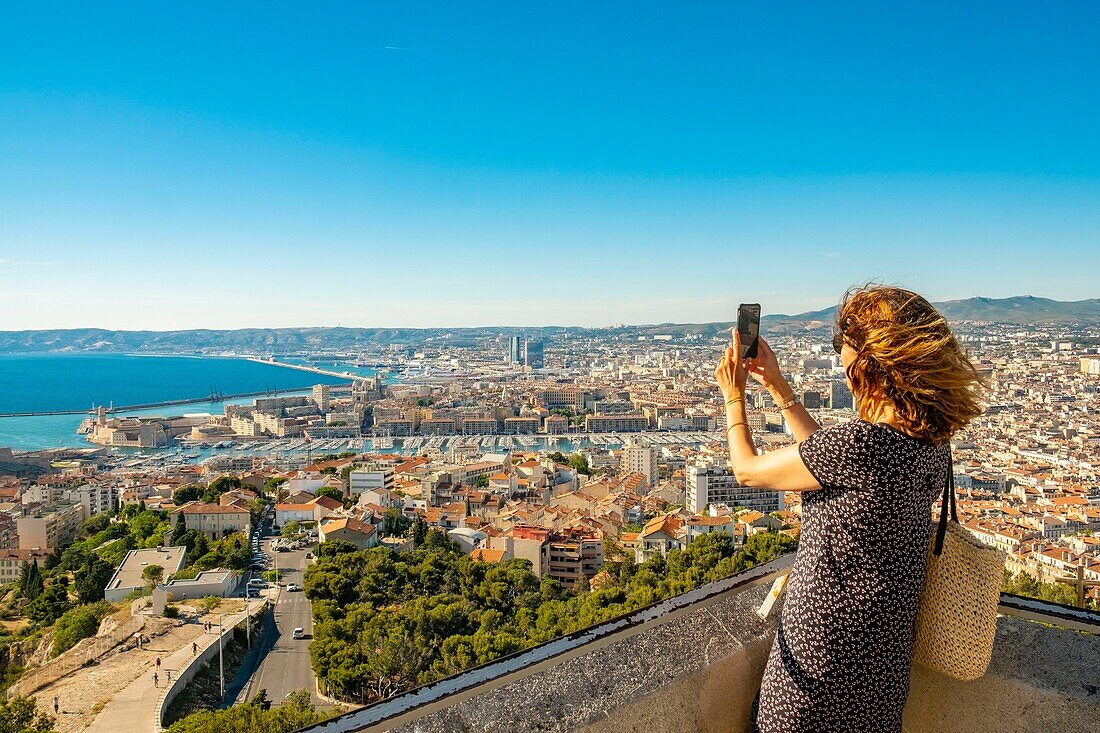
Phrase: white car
(291, 587)
(299, 633)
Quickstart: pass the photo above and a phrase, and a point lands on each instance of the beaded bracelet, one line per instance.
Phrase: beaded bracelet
(788, 403)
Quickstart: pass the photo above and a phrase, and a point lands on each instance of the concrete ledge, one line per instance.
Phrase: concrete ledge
(1042, 678)
(696, 669)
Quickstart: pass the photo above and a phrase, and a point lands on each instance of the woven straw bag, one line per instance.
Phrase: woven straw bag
(957, 618)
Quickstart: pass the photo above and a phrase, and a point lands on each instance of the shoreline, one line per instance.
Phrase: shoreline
(213, 397)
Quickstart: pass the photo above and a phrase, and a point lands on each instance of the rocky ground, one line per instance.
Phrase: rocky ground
(84, 693)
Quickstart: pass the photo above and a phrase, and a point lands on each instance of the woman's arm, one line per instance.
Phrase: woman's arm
(781, 469)
(798, 418)
(765, 369)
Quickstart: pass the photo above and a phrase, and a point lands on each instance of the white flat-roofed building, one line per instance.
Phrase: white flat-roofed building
(128, 576)
(218, 582)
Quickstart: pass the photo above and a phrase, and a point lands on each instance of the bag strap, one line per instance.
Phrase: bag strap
(948, 498)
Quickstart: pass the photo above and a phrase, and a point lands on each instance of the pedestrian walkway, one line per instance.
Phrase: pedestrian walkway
(134, 708)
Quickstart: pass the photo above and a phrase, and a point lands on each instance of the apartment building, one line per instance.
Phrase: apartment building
(626, 423)
(570, 397)
(370, 477)
(321, 397)
(363, 535)
(573, 554)
(634, 458)
(286, 513)
(564, 555)
(50, 527)
(439, 426)
(555, 424)
(212, 519)
(12, 562)
(521, 425)
(711, 484)
(95, 498)
(480, 425)
(661, 535)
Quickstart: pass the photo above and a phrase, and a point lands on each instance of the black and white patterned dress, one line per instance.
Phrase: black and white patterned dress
(842, 652)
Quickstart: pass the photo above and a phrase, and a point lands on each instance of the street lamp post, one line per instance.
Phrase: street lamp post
(221, 664)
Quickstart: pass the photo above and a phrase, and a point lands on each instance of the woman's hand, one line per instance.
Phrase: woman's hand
(731, 372)
(765, 368)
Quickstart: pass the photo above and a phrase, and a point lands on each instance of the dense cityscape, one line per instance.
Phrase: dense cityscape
(549, 367)
(587, 476)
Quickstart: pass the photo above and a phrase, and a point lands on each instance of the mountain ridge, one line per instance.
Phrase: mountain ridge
(1022, 309)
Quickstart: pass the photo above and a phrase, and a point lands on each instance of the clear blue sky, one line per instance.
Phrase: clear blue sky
(407, 164)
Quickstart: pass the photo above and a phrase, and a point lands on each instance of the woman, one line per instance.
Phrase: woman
(841, 656)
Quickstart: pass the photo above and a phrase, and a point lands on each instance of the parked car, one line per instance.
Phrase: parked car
(252, 593)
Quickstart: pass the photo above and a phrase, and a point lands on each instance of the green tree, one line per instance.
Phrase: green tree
(92, 578)
(331, 492)
(420, 530)
(273, 484)
(219, 486)
(77, 623)
(153, 575)
(30, 580)
(579, 464)
(95, 524)
(394, 523)
(51, 603)
(21, 715)
(184, 494)
(254, 717)
(209, 603)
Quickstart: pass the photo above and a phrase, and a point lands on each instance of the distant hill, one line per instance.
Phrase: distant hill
(1022, 309)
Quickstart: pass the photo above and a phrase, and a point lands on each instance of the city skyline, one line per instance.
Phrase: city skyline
(428, 167)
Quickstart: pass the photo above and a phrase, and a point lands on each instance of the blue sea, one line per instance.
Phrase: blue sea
(44, 382)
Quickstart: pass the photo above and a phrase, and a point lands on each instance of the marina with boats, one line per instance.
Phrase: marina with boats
(298, 451)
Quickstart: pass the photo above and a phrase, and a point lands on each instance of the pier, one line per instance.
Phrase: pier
(304, 368)
(167, 403)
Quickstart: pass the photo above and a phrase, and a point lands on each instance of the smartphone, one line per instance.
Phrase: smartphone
(748, 328)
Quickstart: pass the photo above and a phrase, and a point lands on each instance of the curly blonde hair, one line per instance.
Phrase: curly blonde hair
(907, 355)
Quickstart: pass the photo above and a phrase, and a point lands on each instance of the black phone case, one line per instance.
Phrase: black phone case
(749, 351)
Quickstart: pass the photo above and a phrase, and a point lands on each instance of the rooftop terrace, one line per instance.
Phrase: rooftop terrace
(692, 664)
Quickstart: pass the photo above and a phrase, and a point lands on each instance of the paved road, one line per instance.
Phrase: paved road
(285, 666)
